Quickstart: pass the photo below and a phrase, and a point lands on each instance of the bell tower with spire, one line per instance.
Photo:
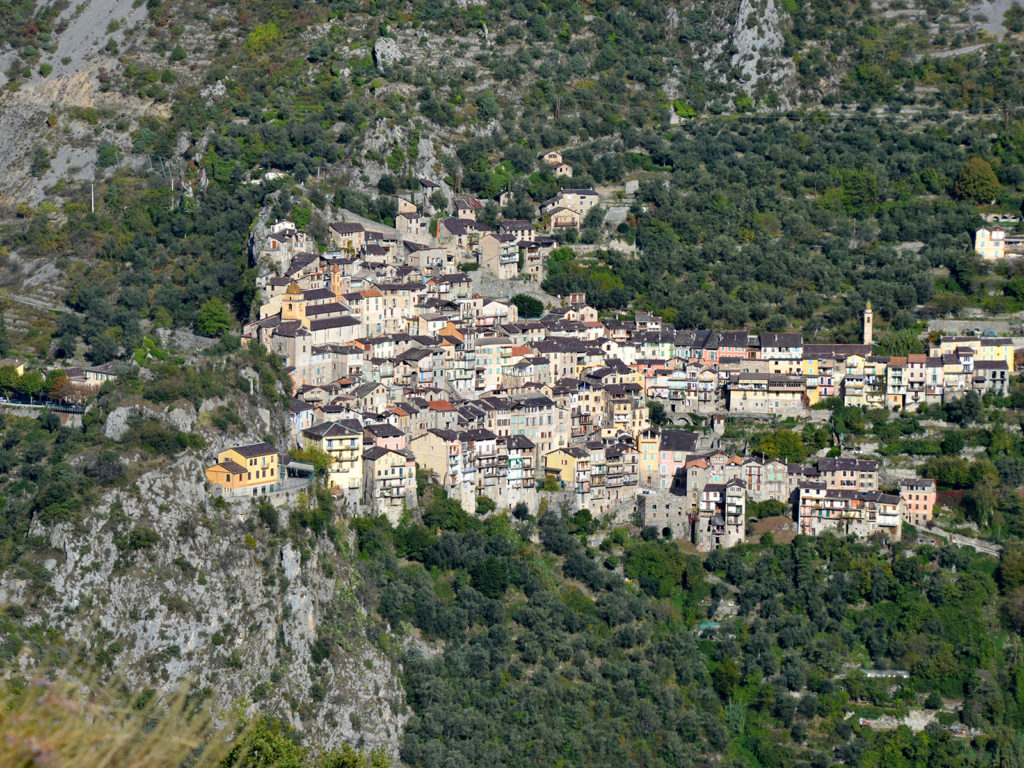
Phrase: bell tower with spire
(869, 322)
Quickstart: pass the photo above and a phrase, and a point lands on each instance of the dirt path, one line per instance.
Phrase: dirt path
(39, 304)
(980, 545)
(952, 52)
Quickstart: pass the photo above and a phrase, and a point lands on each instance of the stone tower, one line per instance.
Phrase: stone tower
(869, 321)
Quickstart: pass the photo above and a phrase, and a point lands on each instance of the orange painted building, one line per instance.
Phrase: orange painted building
(245, 466)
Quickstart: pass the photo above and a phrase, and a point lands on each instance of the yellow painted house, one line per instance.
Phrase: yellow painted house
(345, 447)
(810, 369)
(864, 381)
(15, 363)
(647, 444)
(245, 466)
(989, 350)
(570, 465)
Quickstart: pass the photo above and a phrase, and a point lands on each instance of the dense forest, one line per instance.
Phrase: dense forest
(783, 222)
(582, 646)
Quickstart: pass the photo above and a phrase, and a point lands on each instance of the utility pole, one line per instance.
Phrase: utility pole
(92, 190)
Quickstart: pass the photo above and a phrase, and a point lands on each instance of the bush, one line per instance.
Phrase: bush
(152, 436)
(138, 538)
(550, 483)
(214, 318)
(528, 306)
(269, 515)
(977, 182)
(106, 468)
(40, 162)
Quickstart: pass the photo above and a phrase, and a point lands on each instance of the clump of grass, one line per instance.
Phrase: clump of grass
(59, 724)
(62, 724)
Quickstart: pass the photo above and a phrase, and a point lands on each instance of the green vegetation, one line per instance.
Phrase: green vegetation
(982, 490)
(528, 306)
(267, 743)
(57, 724)
(831, 206)
(977, 181)
(54, 474)
(808, 206)
(546, 649)
(214, 318)
(556, 653)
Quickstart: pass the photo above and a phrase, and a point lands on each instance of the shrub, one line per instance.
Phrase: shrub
(152, 436)
(214, 318)
(528, 306)
(137, 538)
(269, 515)
(106, 468)
(549, 483)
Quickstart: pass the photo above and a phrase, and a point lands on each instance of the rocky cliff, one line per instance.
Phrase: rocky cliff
(156, 581)
(160, 585)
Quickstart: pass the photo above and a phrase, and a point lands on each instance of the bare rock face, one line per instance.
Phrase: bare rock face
(117, 423)
(386, 53)
(181, 418)
(169, 586)
(758, 38)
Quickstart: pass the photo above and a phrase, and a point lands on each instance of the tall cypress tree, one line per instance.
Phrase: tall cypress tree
(5, 337)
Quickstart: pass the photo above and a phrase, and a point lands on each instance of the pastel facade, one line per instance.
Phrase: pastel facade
(990, 243)
(252, 467)
(919, 496)
(344, 445)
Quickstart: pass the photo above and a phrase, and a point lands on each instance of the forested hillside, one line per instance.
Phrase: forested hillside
(759, 216)
(552, 656)
(791, 160)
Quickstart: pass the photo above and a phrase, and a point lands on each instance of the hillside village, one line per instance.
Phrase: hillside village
(437, 384)
(398, 364)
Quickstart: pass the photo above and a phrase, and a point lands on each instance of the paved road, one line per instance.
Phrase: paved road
(9, 405)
